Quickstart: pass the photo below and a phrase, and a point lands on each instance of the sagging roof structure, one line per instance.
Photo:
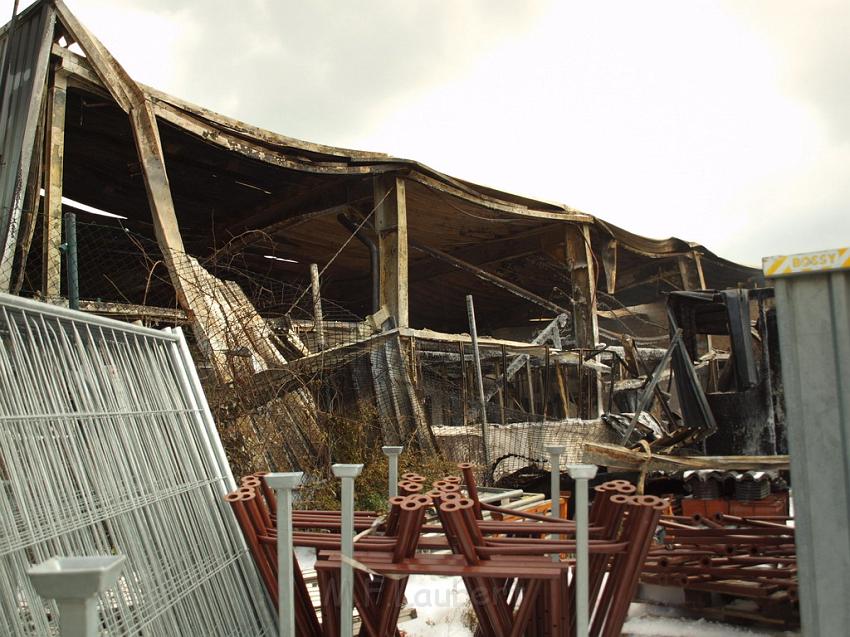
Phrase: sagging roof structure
(207, 188)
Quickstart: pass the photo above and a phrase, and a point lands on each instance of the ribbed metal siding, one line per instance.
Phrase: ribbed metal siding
(813, 312)
(23, 88)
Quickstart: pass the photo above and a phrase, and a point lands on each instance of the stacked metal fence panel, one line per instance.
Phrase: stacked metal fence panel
(107, 446)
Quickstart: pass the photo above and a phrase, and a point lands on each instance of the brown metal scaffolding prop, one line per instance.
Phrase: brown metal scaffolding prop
(752, 558)
(514, 586)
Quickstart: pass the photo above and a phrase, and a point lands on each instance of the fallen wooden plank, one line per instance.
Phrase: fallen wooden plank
(615, 456)
(133, 312)
(51, 259)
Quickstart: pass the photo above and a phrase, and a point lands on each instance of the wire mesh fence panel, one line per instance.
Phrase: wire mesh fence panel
(107, 448)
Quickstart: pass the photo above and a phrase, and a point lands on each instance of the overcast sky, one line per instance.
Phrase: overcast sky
(726, 123)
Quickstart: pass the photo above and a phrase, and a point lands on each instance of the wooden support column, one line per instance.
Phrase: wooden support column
(462, 382)
(579, 256)
(698, 265)
(54, 154)
(391, 228)
(689, 273)
(502, 398)
(562, 389)
(530, 381)
(152, 162)
(609, 265)
(318, 319)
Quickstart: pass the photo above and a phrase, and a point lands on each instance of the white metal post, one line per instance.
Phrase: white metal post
(196, 390)
(555, 452)
(392, 454)
(74, 582)
(283, 484)
(581, 473)
(347, 473)
(479, 380)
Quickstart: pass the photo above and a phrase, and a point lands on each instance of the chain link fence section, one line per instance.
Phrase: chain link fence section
(287, 391)
(535, 404)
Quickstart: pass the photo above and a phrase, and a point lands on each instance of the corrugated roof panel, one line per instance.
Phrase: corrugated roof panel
(26, 51)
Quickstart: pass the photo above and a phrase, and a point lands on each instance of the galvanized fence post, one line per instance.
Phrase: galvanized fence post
(392, 453)
(71, 260)
(347, 473)
(479, 381)
(75, 582)
(283, 484)
(555, 452)
(581, 473)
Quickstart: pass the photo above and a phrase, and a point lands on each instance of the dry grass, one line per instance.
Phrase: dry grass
(254, 442)
(358, 441)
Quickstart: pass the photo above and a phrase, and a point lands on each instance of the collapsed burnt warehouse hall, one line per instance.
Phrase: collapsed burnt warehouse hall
(234, 208)
(214, 225)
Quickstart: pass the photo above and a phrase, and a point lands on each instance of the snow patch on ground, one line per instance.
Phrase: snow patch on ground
(306, 557)
(440, 604)
(649, 620)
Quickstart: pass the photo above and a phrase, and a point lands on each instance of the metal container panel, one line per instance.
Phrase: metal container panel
(813, 307)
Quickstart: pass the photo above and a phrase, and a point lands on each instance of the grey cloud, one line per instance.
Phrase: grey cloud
(812, 41)
(824, 229)
(322, 70)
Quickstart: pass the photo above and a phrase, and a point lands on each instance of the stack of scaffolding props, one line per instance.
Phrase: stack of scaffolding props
(515, 585)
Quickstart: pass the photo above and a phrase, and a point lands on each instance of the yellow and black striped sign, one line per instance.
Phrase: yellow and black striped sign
(782, 265)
